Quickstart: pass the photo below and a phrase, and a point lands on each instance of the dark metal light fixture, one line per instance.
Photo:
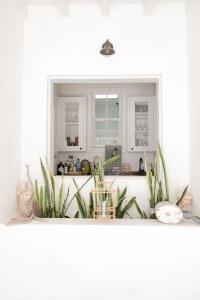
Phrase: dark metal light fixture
(107, 48)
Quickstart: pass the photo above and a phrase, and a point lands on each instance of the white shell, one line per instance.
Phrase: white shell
(168, 213)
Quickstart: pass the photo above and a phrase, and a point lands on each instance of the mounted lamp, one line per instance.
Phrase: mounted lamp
(107, 48)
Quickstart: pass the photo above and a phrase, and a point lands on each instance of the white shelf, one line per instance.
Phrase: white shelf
(71, 123)
(142, 113)
(106, 138)
(106, 130)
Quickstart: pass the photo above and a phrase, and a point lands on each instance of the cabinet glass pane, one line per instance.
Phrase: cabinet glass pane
(141, 124)
(71, 112)
(72, 124)
(100, 125)
(72, 135)
(141, 107)
(141, 139)
(107, 119)
(113, 108)
(113, 125)
(100, 141)
(100, 108)
(106, 134)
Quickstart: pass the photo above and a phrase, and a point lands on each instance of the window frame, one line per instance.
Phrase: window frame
(94, 119)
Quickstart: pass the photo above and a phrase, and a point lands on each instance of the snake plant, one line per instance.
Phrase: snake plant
(123, 206)
(49, 203)
(158, 188)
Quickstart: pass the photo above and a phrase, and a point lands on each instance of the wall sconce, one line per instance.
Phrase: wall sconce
(107, 48)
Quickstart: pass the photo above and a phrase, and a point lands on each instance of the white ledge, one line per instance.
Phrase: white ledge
(118, 222)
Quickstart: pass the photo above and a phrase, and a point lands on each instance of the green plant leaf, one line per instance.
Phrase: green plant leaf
(41, 201)
(60, 197)
(74, 196)
(91, 206)
(37, 198)
(150, 183)
(155, 177)
(183, 195)
(160, 197)
(47, 189)
(164, 171)
(80, 202)
(121, 196)
(110, 161)
(64, 206)
(126, 208)
(141, 213)
(76, 215)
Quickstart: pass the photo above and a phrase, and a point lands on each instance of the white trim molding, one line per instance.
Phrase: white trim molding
(63, 7)
(148, 6)
(105, 7)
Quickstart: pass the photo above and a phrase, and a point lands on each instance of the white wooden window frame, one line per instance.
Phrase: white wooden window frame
(71, 78)
(94, 119)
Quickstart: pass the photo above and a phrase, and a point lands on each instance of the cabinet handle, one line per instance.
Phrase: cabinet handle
(80, 148)
(131, 148)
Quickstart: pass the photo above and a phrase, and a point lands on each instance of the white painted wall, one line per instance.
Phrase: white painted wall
(11, 45)
(144, 45)
(193, 35)
(134, 259)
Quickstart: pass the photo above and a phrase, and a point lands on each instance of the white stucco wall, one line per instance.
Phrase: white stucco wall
(193, 35)
(144, 46)
(11, 45)
(73, 259)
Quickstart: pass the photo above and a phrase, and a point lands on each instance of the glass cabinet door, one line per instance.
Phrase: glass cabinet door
(141, 124)
(107, 120)
(71, 111)
(72, 124)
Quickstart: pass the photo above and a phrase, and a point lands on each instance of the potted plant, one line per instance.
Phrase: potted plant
(50, 204)
(105, 199)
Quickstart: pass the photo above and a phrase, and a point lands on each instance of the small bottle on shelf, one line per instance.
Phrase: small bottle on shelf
(74, 166)
(141, 166)
(78, 165)
(66, 169)
(152, 169)
(71, 167)
(60, 169)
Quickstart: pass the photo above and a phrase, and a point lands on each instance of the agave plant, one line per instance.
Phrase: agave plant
(158, 190)
(49, 204)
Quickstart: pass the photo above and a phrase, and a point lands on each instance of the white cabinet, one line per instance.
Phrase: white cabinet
(71, 123)
(142, 133)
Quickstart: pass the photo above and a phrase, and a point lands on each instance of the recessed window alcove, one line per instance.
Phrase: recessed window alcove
(88, 115)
